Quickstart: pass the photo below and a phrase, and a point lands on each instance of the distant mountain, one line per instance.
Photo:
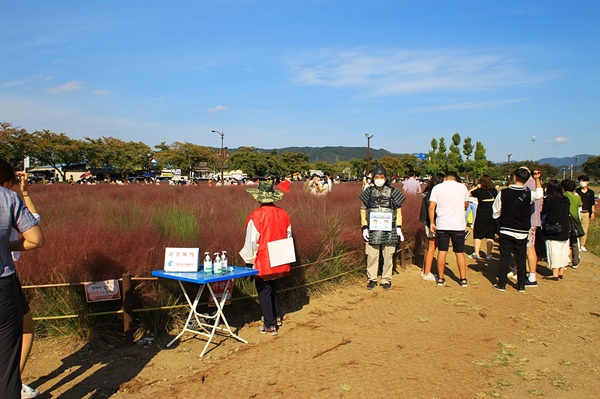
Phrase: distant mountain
(334, 154)
(566, 161)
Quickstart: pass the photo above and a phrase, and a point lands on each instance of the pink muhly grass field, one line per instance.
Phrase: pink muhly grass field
(100, 232)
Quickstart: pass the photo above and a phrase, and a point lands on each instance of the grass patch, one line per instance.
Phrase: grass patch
(566, 363)
(561, 384)
(455, 301)
(525, 375)
(175, 225)
(593, 239)
(535, 392)
(504, 384)
(500, 358)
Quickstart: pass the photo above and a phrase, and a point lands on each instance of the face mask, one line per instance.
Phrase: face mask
(379, 182)
(583, 183)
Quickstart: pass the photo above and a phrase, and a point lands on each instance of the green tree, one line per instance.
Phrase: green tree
(293, 162)
(455, 161)
(248, 160)
(14, 144)
(343, 169)
(186, 156)
(274, 163)
(480, 163)
(467, 148)
(392, 166)
(118, 155)
(467, 151)
(432, 164)
(57, 150)
(591, 167)
(359, 166)
(320, 165)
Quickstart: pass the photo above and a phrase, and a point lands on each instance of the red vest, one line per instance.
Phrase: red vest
(272, 223)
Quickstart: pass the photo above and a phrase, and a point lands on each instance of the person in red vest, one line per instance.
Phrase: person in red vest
(266, 224)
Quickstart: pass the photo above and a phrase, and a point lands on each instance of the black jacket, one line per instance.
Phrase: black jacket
(556, 209)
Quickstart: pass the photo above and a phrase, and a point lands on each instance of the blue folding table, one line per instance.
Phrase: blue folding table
(205, 328)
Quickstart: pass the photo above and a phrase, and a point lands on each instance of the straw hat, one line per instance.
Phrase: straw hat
(265, 193)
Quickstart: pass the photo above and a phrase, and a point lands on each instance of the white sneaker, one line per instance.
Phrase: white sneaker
(430, 277)
(582, 249)
(489, 257)
(28, 392)
(474, 256)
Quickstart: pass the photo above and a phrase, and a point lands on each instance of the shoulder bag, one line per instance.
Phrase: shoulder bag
(550, 228)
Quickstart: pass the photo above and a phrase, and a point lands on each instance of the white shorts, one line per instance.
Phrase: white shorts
(558, 253)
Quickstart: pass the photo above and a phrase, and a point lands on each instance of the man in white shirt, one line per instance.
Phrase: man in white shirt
(447, 206)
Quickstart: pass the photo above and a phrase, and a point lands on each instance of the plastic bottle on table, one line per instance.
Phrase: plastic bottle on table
(217, 264)
(224, 265)
(207, 264)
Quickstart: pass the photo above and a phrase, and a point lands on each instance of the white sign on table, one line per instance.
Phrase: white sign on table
(182, 260)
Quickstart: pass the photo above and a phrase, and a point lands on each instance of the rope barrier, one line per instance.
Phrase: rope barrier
(57, 285)
(114, 312)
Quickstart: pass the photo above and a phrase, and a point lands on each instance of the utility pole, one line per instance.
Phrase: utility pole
(222, 153)
(369, 137)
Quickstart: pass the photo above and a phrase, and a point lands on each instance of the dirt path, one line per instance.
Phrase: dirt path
(414, 341)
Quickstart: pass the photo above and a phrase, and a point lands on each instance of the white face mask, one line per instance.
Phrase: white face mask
(379, 182)
(583, 183)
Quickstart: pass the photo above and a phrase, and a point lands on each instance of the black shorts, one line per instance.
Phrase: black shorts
(458, 240)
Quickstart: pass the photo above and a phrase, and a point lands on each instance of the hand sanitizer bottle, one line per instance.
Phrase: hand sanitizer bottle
(217, 264)
(207, 264)
(224, 265)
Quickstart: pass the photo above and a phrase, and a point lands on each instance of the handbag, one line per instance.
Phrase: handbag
(552, 228)
(575, 227)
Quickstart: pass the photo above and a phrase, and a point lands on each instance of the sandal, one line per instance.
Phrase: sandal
(441, 281)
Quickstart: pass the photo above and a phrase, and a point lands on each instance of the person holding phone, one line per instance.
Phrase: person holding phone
(13, 213)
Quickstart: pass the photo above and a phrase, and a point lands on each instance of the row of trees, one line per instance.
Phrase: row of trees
(60, 151)
(57, 149)
(441, 158)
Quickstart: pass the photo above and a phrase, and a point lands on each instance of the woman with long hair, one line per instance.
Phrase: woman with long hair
(555, 212)
(485, 225)
(424, 218)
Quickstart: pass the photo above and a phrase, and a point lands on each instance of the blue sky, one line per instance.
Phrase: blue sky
(273, 74)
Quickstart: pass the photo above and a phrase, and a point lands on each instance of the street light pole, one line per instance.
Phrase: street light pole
(222, 153)
(369, 137)
(571, 172)
(532, 144)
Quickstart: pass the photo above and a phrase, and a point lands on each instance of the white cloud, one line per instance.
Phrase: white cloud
(102, 92)
(466, 105)
(74, 85)
(389, 72)
(218, 108)
(25, 81)
(559, 140)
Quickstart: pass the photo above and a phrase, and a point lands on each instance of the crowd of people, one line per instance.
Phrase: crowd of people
(518, 217)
